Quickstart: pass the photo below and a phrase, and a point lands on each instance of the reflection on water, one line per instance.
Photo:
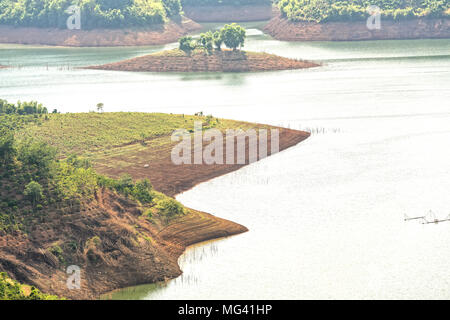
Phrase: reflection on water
(197, 254)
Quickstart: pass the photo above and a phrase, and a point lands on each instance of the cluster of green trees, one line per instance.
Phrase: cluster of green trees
(94, 13)
(22, 108)
(12, 290)
(195, 3)
(232, 35)
(354, 10)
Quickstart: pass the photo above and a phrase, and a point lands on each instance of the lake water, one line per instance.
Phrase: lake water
(326, 218)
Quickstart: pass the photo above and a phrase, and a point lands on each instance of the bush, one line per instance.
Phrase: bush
(33, 191)
(186, 44)
(170, 208)
(141, 191)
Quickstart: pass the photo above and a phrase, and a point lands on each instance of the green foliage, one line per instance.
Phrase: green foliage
(142, 191)
(233, 36)
(354, 10)
(94, 13)
(33, 190)
(36, 154)
(12, 290)
(22, 108)
(218, 40)
(172, 7)
(187, 44)
(206, 41)
(74, 182)
(7, 149)
(58, 252)
(170, 208)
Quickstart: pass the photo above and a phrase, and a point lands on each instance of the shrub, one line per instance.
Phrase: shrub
(170, 208)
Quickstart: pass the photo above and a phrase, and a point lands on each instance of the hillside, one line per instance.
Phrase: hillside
(329, 20)
(118, 228)
(140, 36)
(220, 61)
(282, 29)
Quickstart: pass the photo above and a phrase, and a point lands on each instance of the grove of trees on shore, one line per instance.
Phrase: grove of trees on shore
(354, 10)
(94, 13)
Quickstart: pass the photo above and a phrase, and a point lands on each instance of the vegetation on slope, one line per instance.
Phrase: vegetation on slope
(354, 10)
(94, 13)
(34, 180)
(12, 290)
(57, 210)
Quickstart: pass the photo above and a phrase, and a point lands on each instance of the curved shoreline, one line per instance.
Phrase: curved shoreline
(199, 227)
(220, 61)
(111, 237)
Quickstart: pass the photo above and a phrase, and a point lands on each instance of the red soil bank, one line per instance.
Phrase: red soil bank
(282, 29)
(155, 35)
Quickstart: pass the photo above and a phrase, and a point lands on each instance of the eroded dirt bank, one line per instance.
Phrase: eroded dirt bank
(228, 13)
(109, 238)
(157, 35)
(223, 61)
(282, 29)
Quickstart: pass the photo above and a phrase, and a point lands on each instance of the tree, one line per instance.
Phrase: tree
(141, 191)
(206, 41)
(233, 36)
(218, 40)
(100, 107)
(33, 190)
(172, 7)
(36, 153)
(170, 207)
(7, 150)
(187, 44)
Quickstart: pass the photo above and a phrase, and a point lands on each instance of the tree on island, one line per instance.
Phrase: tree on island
(187, 44)
(232, 35)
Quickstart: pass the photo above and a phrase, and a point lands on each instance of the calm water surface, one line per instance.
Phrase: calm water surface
(325, 217)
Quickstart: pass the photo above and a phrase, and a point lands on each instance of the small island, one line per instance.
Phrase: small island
(206, 55)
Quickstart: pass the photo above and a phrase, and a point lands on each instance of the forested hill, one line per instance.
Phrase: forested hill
(94, 13)
(354, 10)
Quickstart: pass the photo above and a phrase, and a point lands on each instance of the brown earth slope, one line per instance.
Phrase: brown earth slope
(108, 236)
(282, 29)
(222, 61)
(156, 35)
(111, 243)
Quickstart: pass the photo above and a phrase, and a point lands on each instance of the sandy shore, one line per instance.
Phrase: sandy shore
(156, 35)
(222, 61)
(282, 29)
